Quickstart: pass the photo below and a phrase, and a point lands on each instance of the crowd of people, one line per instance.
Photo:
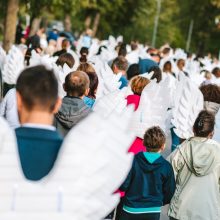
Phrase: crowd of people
(175, 97)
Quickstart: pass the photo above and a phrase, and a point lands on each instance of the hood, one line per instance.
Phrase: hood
(72, 111)
(146, 165)
(200, 155)
(133, 99)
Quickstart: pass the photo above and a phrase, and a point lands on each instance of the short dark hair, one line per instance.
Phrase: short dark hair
(204, 124)
(76, 83)
(66, 58)
(133, 70)
(65, 43)
(211, 93)
(38, 87)
(157, 73)
(121, 63)
(216, 72)
(154, 139)
(84, 51)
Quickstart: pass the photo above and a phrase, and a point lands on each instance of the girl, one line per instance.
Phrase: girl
(196, 165)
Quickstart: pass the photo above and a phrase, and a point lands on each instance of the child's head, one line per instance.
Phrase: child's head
(37, 90)
(77, 84)
(138, 83)
(154, 139)
(120, 64)
(93, 78)
(208, 75)
(65, 58)
(204, 124)
(133, 70)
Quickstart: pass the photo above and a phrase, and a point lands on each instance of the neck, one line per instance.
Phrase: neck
(37, 117)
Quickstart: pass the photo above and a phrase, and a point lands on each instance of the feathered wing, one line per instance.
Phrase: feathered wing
(108, 81)
(92, 163)
(114, 101)
(2, 57)
(152, 109)
(216, 136)
(14, 64)
(188, 103)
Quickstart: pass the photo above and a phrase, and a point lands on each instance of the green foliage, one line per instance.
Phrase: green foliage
(134, 19)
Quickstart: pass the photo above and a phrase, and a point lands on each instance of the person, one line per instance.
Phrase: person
(73, 108)
(150, 183)
(167, 69)
(89, 100)
(146, 64)
(211, 94)
(65, 47)
(65, 58)
(157, 73)
(133, 70)
(120, 65)
(216, 75)
(84, 51)
(38, 141)
(180, 69)
(196, 165)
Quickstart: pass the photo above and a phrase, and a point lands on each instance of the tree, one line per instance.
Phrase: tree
(10, 23)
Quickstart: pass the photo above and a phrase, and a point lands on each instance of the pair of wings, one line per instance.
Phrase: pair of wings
(92, 164)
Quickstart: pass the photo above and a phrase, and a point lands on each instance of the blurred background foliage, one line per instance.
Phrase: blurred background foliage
(134, 19)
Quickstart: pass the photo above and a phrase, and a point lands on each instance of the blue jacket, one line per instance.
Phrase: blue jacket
(150, 182)
(146, 64)
(38, 149)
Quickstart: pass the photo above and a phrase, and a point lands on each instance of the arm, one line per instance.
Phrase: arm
(169, 186)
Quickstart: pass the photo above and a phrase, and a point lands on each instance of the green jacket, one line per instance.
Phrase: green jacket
(196, 165)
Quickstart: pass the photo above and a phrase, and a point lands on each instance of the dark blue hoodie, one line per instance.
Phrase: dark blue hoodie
(150, 183)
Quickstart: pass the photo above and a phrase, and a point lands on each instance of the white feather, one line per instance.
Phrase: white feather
(14, 64)
(92, 164)
(188, 103)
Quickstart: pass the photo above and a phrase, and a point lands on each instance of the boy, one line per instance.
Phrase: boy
(150, 183)
(38, 141)
(120, 65)
(73, 108)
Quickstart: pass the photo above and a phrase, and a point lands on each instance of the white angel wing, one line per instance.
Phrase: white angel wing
(114, 101)
(2, 57)
(14, 64)
(92, 163)
(152, 109)
(108, 81)
(188, 103)
(216, 136)
(38, 59)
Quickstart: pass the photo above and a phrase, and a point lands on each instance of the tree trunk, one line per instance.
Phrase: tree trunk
(96, 23)
(88, 21)
(10, 24)
(35, 25)
(67, 23)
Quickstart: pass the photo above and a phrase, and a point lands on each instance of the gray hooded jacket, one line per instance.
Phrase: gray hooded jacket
(196, 165)
(71, 112)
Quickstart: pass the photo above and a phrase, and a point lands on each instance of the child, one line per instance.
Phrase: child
(93, 85)
(38, 141)
(196, 164)
(73, 108)
(150, 183)
(120, 65)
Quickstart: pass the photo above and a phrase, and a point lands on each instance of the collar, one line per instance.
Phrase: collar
(40, 126)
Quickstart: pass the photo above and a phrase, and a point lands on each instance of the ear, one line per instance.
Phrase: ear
(114, 69)
(57, 105)
(19, 101)
(163, 147)
(210, 136)
(64, 87)
(87, 92)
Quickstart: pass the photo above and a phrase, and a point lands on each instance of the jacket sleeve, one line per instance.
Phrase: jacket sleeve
(169, 186)
(124, 187)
